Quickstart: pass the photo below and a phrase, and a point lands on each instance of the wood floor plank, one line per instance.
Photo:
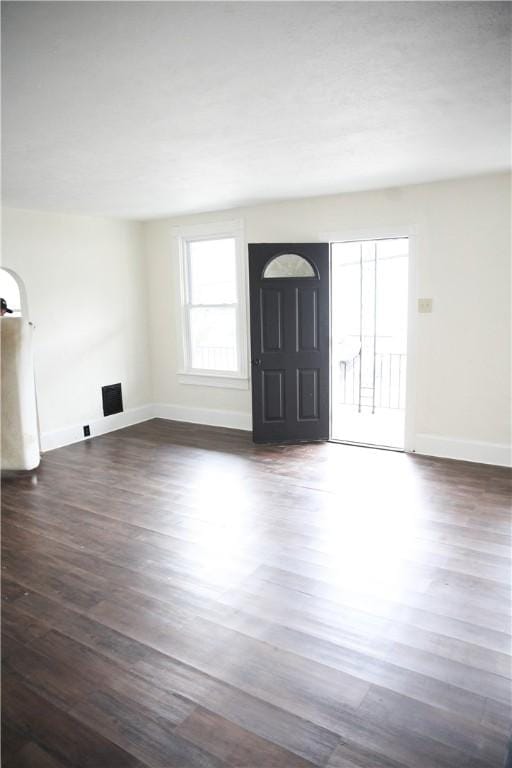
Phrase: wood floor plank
(32, 756)
(393, 666)
(498, 716)
(132, 727)
(236, 746)
(459, 608)
(50, 675)
(175, 596)
(445, 727)
(77, 626)
(12, 740)
(297, 735)
(59, 733)
(365, 625)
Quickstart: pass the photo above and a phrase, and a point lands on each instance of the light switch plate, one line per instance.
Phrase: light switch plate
(424, 305)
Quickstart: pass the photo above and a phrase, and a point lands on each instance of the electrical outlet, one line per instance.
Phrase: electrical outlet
(87, 431)
(424, 306)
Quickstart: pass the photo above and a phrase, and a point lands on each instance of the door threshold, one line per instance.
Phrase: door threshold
(366, 445)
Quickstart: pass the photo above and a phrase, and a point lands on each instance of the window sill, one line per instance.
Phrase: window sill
(213, 380)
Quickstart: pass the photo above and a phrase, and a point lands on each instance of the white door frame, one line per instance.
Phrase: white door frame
(381, 233)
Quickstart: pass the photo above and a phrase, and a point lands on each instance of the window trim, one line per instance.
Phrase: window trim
(238, 379)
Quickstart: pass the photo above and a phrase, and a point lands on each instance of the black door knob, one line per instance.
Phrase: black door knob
(256, 361)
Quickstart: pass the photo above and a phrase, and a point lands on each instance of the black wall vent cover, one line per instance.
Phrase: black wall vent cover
(112, 399)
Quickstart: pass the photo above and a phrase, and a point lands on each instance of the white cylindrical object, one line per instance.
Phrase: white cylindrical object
(20, 432)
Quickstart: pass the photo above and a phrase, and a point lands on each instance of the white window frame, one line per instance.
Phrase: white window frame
(238, 379)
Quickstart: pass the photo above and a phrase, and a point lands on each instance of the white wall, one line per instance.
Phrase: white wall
(461, 248)
(87, 296)
(88, 281)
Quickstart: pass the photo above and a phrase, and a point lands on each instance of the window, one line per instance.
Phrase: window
(288, 265)
(213, 315)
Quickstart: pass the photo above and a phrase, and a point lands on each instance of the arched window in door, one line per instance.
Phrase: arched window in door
(288, 265)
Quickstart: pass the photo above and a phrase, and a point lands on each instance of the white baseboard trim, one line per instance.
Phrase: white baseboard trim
(464, 450)
(74, 434)
(208, 416)
(429, 445)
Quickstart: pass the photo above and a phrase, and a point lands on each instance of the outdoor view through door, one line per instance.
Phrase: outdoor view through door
(369, 341)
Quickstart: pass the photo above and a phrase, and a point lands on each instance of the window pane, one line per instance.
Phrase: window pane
(289, 265)
(213, 338)
(212, 271)
(346, 253)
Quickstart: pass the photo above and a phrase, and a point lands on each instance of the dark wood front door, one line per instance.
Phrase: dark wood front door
(289, 291)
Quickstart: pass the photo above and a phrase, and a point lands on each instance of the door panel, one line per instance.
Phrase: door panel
(271, 320)
(307, 318)
(273, 395)
(290, 341)
(308, 394)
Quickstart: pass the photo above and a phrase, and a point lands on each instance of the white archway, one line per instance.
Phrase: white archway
(20, 430)
(12, 289)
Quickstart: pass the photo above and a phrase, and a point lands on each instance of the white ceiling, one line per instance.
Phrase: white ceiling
(142, 109)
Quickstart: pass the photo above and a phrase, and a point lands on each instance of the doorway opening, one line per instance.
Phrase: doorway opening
(369, 304)
(11, 292)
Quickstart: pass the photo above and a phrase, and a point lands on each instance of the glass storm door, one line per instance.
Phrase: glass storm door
(289, 292)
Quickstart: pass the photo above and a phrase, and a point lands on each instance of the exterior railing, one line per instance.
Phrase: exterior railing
(382, 384)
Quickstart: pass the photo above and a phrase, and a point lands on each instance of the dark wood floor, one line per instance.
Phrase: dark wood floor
(175, 596)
